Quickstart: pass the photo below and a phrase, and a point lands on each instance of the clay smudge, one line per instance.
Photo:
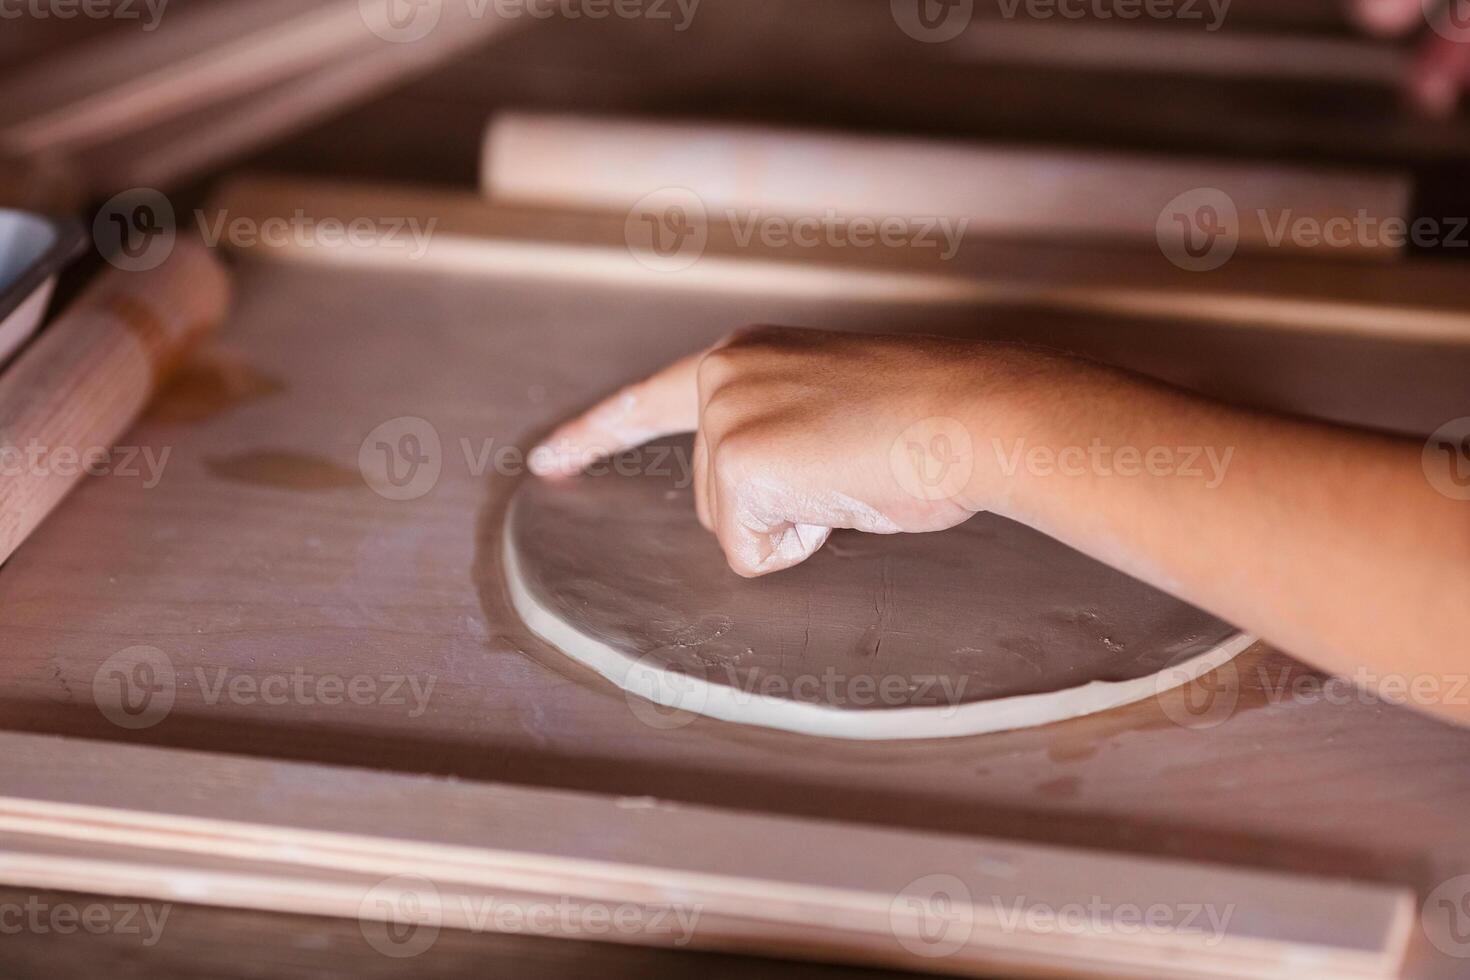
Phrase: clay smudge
(285, 471)
(208, 384)
(1071, 750)
(1061, 788)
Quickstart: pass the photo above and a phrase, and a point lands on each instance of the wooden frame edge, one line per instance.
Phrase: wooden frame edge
(213, 829)
(466, 235)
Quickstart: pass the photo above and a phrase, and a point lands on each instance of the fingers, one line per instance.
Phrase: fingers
(702, 482)
(666, 403)
(1388, 18)
(1440, 73)
(761, 525)
(754, 544)
(753, 519)
(662, 405)
(1442, 69)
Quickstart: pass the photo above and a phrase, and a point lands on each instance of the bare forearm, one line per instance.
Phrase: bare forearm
(1328, 542)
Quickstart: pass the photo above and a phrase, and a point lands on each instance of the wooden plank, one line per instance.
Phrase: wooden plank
(1321, 15)
(1410, 300)
(1183, 50)
(586, 163)
(126, 79)
(32, 34)
(430, 130)
(166, 153)
(328, 841)
(126, 83)
(177, 941)
(257, 555)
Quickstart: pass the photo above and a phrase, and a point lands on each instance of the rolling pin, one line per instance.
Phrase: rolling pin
(80, 385)
(610, 164)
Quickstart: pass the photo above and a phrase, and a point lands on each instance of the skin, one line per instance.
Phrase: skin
(1328, 542)
(1442, 69)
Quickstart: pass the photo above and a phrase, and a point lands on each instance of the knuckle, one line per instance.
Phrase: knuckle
(724, 406)
(749, 351)
(716, 366)
(736, 448)
(753, 333)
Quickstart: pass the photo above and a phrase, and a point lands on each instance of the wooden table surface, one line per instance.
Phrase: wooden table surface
(171, 941)
(261, 565)
(262, 553)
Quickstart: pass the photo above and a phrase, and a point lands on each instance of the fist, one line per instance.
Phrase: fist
(798, 432)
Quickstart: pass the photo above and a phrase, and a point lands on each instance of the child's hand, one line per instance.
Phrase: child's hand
(1442, 69)
(802, 431)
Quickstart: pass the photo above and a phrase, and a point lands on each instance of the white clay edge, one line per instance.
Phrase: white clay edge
(693, 694)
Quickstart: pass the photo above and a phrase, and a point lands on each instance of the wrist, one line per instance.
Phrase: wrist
(1011, 415)
(980, 417)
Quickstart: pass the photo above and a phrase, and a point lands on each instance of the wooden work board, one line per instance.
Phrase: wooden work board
(261, 553)
(238, 944)
(260, 556)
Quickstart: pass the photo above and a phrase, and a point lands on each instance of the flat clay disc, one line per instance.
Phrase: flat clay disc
(985, 627)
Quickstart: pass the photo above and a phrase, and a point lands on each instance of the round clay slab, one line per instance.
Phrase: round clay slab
(985, 627)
